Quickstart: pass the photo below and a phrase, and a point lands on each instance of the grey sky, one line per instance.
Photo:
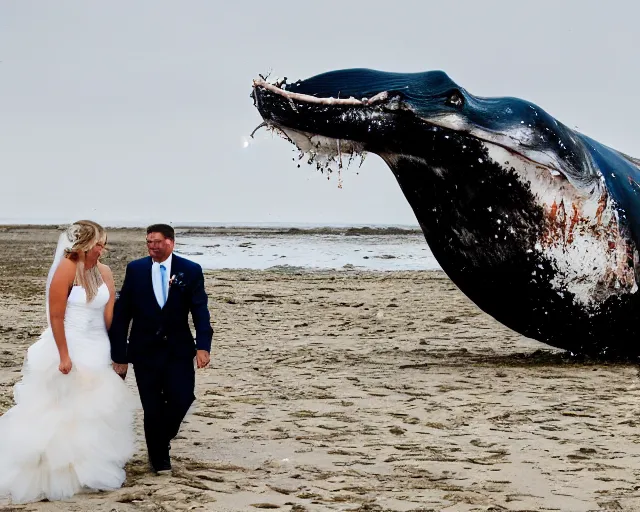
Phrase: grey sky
(149, 99)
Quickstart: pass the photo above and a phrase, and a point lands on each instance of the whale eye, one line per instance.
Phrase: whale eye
(455, 99)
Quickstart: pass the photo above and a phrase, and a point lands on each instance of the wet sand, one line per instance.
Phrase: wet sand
(365, 391)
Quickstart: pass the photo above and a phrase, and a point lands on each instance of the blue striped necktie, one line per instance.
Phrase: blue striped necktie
(163, 276)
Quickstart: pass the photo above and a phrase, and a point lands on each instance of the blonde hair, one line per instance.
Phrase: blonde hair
(85, 235)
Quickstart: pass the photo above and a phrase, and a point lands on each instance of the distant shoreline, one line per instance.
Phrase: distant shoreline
(231, 229)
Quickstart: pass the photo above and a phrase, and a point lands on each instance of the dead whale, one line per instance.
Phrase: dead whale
(536, 223)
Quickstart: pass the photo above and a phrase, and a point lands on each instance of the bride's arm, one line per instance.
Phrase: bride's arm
(58, 292)
(107, 277)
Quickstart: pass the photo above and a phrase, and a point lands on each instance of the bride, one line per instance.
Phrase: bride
(72, 425)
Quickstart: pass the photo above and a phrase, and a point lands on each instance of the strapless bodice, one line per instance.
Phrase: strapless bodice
(83, 315)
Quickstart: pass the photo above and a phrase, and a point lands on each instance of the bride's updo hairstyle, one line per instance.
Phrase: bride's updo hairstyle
(85, 235)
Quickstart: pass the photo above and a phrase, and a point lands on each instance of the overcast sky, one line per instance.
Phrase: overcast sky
(135, 110)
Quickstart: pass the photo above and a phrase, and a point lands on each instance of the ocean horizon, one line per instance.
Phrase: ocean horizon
(198, 224)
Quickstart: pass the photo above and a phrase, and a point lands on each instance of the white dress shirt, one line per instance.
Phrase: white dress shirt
(156, 279)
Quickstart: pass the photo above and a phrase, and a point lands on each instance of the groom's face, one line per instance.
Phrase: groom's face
(159, 246)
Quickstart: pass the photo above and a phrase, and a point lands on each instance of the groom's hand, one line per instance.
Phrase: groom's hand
(202, 358)
(121, 369)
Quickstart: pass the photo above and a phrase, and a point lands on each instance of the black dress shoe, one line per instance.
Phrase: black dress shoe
(160, 462)
(162, 466)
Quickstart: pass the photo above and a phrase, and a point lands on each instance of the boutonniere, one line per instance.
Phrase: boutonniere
(177, 280)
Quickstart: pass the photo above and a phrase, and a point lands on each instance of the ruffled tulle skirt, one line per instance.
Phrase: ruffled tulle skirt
(68, 432)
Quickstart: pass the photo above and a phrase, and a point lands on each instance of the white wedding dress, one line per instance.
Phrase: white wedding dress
(68, 432)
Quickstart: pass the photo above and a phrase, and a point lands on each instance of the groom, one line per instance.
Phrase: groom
(156, 297)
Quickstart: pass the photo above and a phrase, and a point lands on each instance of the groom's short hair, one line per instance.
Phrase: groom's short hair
(164, 229)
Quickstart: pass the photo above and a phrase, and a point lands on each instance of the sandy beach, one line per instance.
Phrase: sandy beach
(361, 391)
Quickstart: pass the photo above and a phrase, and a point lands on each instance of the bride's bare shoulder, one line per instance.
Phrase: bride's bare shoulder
(67, 266)
(64, 274)
(107, 275)
(105, 270)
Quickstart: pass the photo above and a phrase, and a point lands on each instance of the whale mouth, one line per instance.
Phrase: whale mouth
(331, 131)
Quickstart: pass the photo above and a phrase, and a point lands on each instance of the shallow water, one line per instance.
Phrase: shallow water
(309, 251)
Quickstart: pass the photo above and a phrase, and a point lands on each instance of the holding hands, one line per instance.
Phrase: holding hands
(121, 369)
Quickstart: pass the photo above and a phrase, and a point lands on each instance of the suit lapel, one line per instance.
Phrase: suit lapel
(176, 267)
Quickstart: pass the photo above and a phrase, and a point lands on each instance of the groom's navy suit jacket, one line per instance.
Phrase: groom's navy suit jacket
(156, 330)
